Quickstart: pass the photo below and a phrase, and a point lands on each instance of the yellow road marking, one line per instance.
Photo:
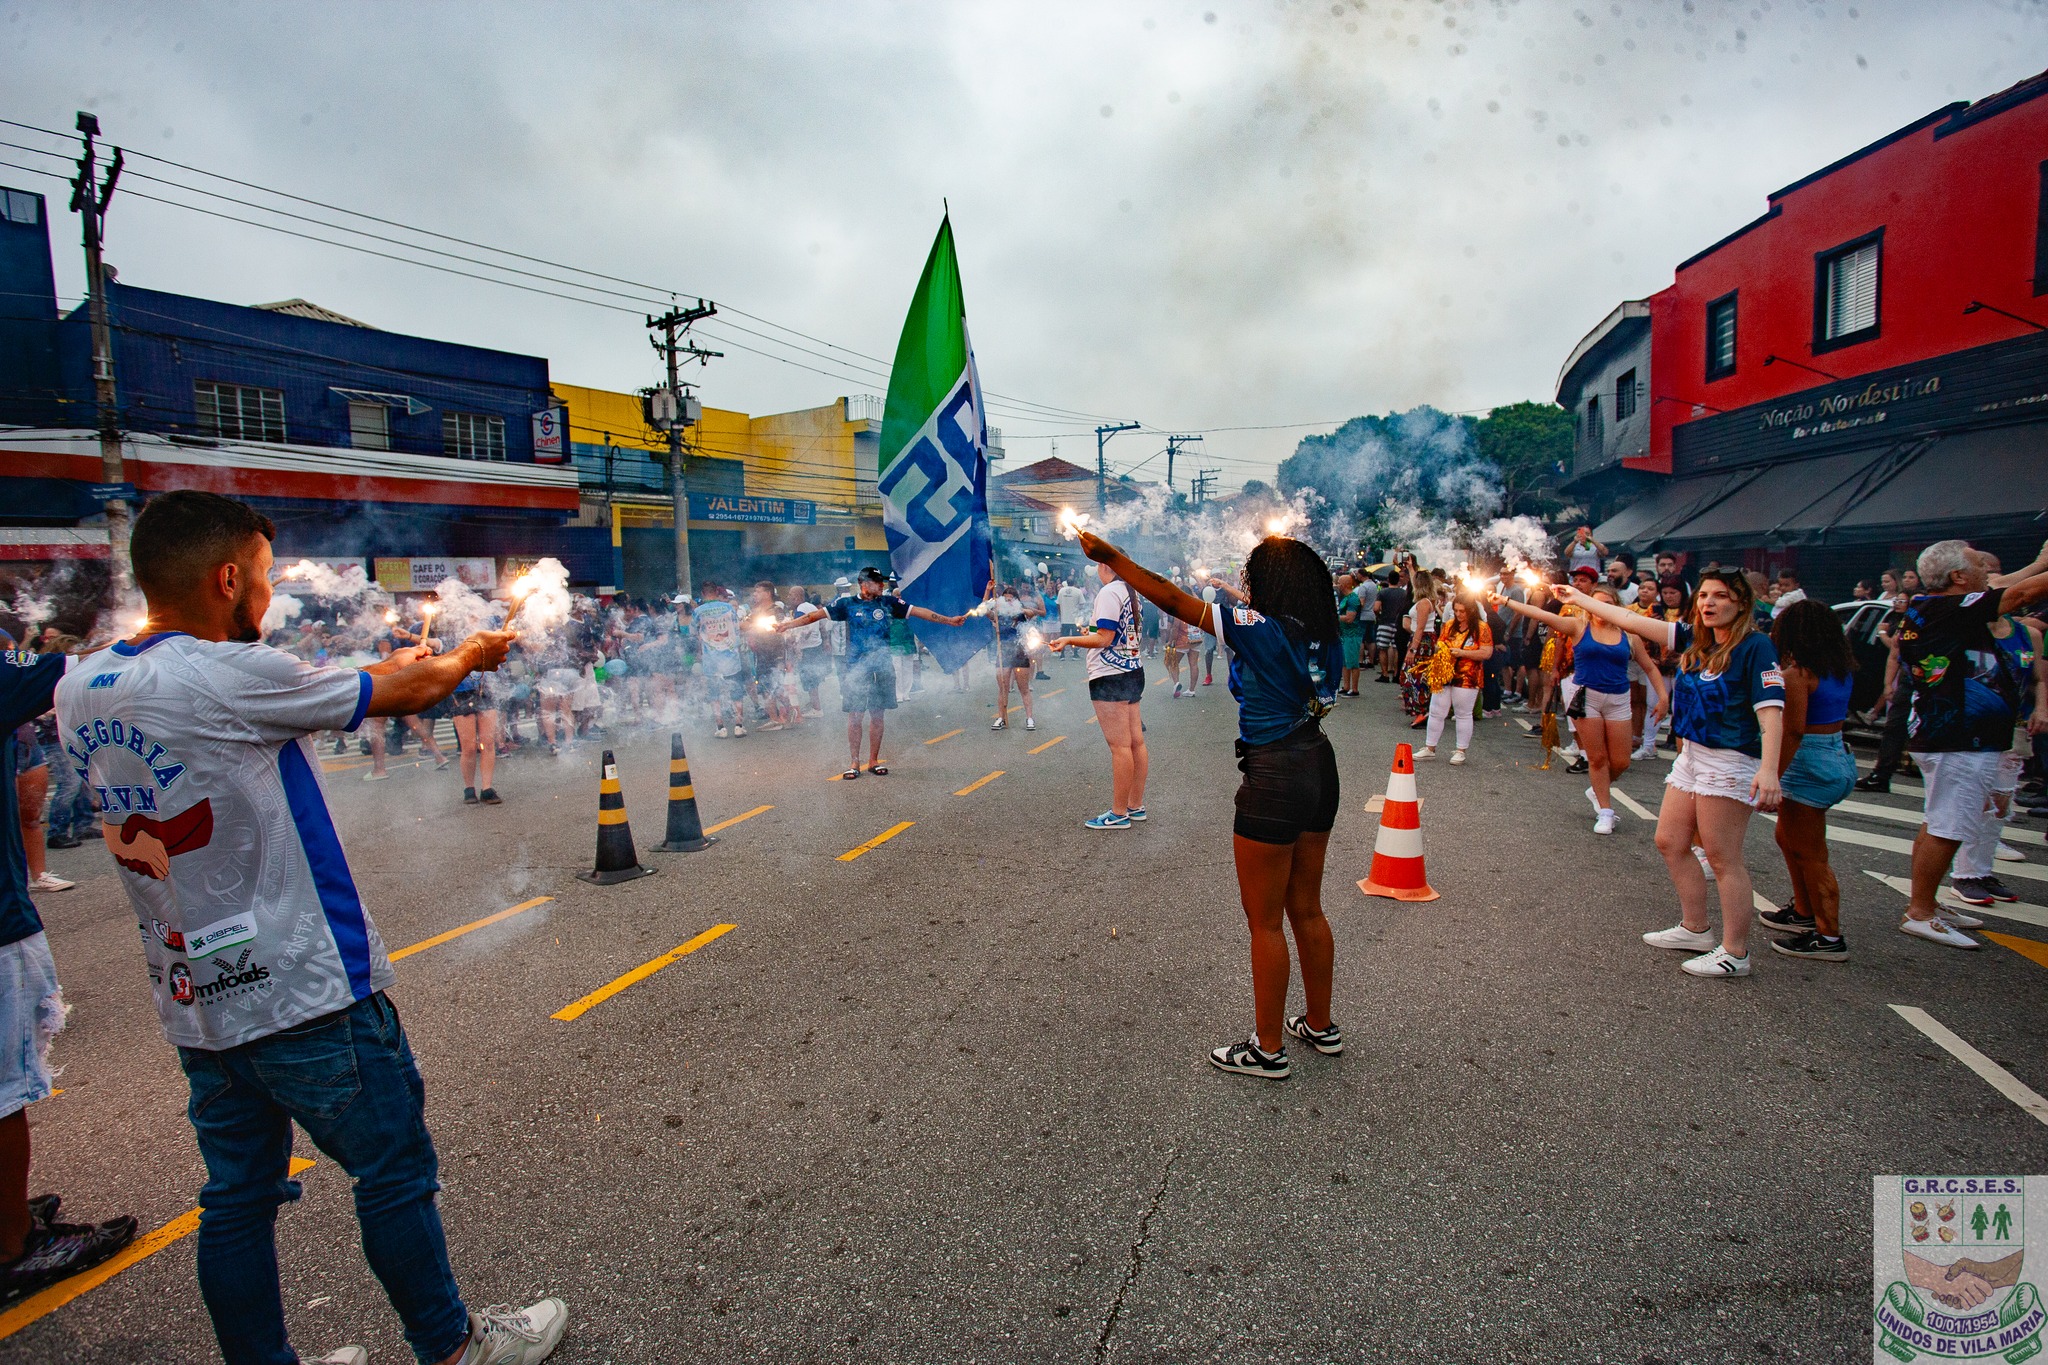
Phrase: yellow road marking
(948, 735)
(2031, 948)
(439, 939)
(1093, 720)
(141, 1249)
(1047, 745)
(979, 783)
(728, 824)
(640, 973)
(1054, 693)
(884, 837)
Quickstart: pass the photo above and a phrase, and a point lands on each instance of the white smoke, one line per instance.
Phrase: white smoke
(320, 581)
(283, 607)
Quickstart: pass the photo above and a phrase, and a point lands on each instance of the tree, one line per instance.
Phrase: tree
(1531, 445)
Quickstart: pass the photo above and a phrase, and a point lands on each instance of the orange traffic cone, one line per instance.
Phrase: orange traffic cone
(1397, 856)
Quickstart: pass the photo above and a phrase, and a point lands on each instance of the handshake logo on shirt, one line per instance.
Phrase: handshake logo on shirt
(145, 846)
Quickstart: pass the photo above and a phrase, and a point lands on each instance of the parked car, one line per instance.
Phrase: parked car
(1861, 622)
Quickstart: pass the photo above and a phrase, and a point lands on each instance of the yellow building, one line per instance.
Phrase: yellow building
(789, 496)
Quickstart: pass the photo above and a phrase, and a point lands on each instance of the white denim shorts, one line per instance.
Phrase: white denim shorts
(1607, 705)
(1713, 772)
(1958, 788)
(31, 1014)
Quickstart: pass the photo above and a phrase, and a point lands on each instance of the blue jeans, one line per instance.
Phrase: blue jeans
(348, 1079)
(71, 813)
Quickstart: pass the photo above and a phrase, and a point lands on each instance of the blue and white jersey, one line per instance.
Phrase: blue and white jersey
(718, 637)
(867, 622)
(1270, 674)
(1718, 710)
(1116, 611)
(210, 801)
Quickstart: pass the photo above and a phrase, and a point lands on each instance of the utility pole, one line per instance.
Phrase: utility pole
(1173, 446)
(1102, 435)
(1205, 480)
(671, 409)
(89, 200)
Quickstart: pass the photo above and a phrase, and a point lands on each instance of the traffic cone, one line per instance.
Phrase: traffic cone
(1397, 856)
(616, 861)
(685, 831)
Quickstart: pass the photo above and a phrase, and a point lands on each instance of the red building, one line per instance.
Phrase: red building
(1864, 368)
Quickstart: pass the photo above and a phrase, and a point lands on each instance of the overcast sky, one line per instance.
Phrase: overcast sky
(1203, 215)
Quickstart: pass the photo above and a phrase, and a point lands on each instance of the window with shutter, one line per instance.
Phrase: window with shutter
(2041, 237)
(369, 426)
(1847, 293)
(239, 412)
(1625, 396)
(1721, 337)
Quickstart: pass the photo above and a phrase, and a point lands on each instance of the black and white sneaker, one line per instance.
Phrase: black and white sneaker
(1329, 1041)
(1812, 944)
(1246, 1059)
(56, 1251)
(1786, 921)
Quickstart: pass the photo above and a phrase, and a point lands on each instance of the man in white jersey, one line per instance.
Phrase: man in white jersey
(268, 973)
(1116, 680)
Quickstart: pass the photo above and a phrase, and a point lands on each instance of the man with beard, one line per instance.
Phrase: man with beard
(197, 741)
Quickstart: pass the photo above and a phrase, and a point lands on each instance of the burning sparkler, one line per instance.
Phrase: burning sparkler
(1278, 525)
(764, 620)
(426, 624)
(1072, 523)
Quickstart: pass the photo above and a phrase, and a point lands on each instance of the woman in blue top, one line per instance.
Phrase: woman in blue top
(1815, 772)
(1727, 709)
(1598, 700)
(1287, 802)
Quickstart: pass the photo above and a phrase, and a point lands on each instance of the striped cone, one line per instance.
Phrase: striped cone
(685, 831)
(1397, 856)
(616, 861)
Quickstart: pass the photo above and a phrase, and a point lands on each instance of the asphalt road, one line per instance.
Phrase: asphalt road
(947, 1101)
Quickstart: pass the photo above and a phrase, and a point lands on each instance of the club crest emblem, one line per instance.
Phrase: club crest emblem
(1955, 1276)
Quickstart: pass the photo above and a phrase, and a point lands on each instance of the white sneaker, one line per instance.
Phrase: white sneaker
(50, 881)
(1593, 800)
(1030, 724)
(2008, 854)
(739, 732)
(504, 1335)
(1705, 866)
(1936, 930)
(347, 1355)
(1682, 939)
(1959, 918)
(1720, 962)
(1457, 758)
(1603, 823)
(1427, 751)
(721, 732)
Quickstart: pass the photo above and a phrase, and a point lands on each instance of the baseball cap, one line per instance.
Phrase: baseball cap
(1587, 569)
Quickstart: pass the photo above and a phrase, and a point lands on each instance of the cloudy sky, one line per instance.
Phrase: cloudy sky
(1206, 215)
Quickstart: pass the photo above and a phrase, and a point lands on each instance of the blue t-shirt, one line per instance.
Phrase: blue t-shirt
(867, 622)
(1718, 710)
(27, 681)
(1269, 674)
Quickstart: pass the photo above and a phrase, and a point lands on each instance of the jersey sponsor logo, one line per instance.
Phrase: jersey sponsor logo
(111, 732)
(1245, 616)
(22, 658)
(232, 932)
(1773, 677)
(232, 976)
(145, 845)
(181, 983)
(103, 680)
(167, 936)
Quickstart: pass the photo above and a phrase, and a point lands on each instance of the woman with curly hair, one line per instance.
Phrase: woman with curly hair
(1815, 772)
(1287, 803)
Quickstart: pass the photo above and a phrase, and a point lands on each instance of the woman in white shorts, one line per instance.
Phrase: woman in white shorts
(1727, 711)
(1597, 694)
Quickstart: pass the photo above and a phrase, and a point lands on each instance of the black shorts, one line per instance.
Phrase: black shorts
(468, 703)
(1122, 687)
(1016, 656)
(1289, 788)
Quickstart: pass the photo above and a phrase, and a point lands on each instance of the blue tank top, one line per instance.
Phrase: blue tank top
(1829, 702)
(1603, 668)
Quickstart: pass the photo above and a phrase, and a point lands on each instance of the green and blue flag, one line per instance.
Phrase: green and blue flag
(933, 464)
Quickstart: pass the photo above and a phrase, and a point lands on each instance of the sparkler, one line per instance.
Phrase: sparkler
(1277, 526)
(1033, 641)
(426, 624)
(1071, 523)
(391, 617)
(763, 621)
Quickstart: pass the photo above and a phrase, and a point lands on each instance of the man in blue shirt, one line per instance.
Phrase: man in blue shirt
(867, 687)
(34, 1249)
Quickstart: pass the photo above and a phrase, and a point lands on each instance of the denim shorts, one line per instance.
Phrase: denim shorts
(31, 1013)
(1821, 772)
(1119, 687)
(868, 685)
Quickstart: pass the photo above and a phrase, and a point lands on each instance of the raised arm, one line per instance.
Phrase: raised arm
(814, 614)
(1634, 622)
(1574, 626)
(2022, 593)
(927, 614)
(409, 686)
(2040, 565)
(1175, 602)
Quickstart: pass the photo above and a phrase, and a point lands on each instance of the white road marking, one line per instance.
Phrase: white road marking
(2018, 911)
(1526, 726)
(1999, 1079)
(1762, 902)
(1629, 803)
(1886, 842)
(1907, 816)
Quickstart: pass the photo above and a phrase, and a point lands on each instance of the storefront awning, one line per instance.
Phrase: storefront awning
(1981, 482)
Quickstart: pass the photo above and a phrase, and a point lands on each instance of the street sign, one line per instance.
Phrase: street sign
(551, 436)
(727, 507)
(104, 493)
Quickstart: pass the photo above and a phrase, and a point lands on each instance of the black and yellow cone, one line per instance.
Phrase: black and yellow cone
(616, 861)
(685, 831)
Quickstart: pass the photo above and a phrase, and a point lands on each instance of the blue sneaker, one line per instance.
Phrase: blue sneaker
(1137, 813)
(1109, 819)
